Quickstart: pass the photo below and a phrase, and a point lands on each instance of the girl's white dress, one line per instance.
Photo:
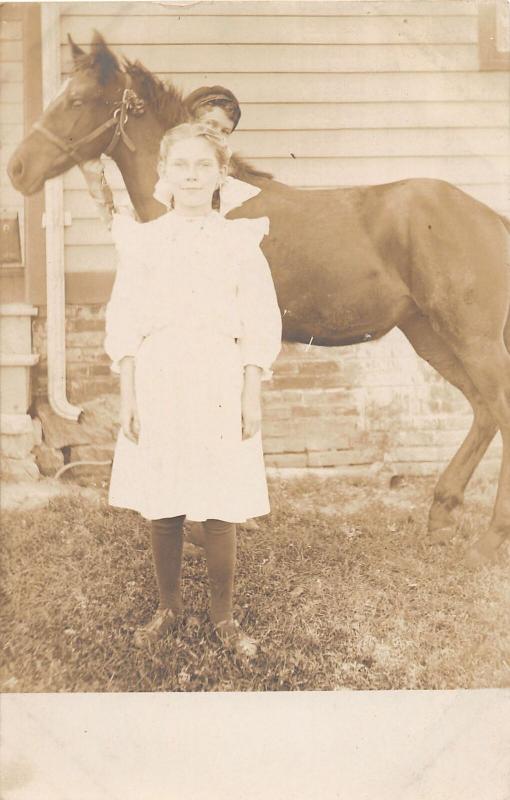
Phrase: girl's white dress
(193, 302)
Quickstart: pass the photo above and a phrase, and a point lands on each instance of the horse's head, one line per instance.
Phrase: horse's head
(85, 119)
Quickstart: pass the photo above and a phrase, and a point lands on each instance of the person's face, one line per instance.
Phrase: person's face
(216, 116)
(193, 173)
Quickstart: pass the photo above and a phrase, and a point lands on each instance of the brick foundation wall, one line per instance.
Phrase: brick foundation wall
(88, 367)
(356, 408)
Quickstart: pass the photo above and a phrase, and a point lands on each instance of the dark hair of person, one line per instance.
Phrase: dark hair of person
(210, 96)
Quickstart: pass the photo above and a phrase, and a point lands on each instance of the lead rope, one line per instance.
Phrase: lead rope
(99, 189)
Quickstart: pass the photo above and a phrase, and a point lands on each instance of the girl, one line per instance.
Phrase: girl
(218, 107)
(193, 326)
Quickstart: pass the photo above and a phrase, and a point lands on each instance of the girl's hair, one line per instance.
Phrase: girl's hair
(211, 96)
(191, 131)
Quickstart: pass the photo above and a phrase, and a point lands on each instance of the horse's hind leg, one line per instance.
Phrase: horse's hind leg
(488, 364)
(449, 490)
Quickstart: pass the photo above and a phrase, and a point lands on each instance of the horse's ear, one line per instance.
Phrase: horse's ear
(76, 51)
(103, 59)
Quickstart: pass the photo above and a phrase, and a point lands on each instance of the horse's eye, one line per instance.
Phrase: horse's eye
(76, 103)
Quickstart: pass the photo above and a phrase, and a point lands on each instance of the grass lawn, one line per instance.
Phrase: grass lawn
(340, 585)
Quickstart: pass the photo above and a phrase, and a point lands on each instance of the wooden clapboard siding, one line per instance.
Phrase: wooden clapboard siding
(337, 116)
(11, 132)
(358, 92)
(11, 51)
(81, 206)
(407, 8)
(11, 29)
(11, 72)
(354, 88)
(78, 258)
(80, 232)
(259, 59)
(492, 194)
(20, 106)
(266, 30)
(10, 92)
(389, 143)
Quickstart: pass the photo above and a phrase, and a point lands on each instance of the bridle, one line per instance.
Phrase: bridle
(130, 103)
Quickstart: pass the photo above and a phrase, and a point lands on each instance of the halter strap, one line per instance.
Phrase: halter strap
(130, 101)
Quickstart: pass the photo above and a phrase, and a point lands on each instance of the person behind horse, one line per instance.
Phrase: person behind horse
(193, 326)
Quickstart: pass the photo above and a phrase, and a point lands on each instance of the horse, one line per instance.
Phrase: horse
(349, 264)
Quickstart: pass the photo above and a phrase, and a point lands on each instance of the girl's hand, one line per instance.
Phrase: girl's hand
(250, 401)
(129, 420)
(251, 415)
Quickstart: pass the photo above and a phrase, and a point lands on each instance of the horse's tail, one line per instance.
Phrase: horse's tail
(505, 221)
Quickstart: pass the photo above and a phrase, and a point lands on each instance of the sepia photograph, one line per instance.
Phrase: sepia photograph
(255, 361)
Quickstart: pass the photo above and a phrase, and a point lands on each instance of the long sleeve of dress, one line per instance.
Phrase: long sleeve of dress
(261, 321)
(123, 333)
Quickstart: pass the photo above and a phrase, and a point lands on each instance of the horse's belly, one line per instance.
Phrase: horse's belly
(365, 308)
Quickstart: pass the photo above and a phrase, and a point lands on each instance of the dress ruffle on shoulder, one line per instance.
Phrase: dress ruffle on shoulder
(249, 231)
(234, 193)
(138, 243)
(128, 239)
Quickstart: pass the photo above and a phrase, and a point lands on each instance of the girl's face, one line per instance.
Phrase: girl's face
(193, 174)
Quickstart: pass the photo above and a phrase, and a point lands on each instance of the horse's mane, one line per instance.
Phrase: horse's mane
(164, 98)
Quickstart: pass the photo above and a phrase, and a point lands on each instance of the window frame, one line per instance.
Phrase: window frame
(490, 58)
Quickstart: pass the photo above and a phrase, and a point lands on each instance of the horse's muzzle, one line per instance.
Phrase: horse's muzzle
(22, 182)
(15, 170)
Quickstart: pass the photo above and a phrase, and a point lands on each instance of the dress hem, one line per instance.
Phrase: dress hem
(239, 519)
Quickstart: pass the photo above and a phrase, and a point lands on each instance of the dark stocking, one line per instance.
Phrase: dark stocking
(220, 549)
(167, 539)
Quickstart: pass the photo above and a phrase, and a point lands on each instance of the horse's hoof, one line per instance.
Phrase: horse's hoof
(442, 535)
